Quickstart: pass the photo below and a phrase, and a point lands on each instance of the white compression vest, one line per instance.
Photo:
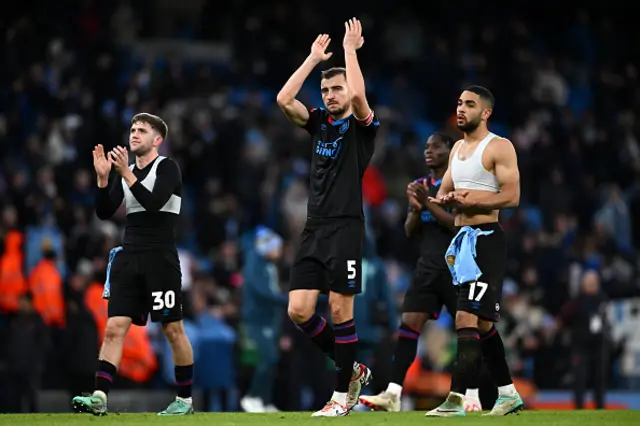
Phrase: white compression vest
(470, 173)
(131, 203)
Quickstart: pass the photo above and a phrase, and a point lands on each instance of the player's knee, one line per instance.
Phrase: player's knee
(302, 305)
(300, 312)
(484, 326)
(415, 320)
(341, 307)
(466, 320)
(174, 331)
(116, 329)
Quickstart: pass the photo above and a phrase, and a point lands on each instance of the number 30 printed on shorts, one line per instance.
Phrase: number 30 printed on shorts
(163, 299)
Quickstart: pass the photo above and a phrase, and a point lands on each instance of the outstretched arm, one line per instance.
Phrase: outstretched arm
(353, 41)
(295, 110)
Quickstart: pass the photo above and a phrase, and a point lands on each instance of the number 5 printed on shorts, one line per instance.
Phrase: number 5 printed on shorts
(472, 290)
(163, 299)
(352, 273)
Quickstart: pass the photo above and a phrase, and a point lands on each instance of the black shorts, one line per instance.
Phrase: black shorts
(144, 283)
(330, 256)
(482, 297)
(431, 289)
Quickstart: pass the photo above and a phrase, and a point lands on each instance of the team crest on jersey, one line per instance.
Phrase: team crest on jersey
(344, 127)
(323, 127)
(451, 260)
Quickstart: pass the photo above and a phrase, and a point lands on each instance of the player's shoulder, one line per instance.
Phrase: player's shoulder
(501, 146)
(166, 161)
(500, 141)
(168, 164)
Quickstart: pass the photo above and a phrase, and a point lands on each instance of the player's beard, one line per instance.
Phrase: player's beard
(469, 126)
(338, 111)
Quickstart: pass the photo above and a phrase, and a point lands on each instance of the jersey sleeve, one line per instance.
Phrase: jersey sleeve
(167, 180)
(315, 119)
(368, 126)
(109, 199)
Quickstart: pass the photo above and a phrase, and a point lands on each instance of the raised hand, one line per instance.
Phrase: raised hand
(319, 47)
(353, 39)
(120, 159)
(101, 163)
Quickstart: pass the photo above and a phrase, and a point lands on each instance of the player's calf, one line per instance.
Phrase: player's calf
(320, 332)
(405, 354)
(301, 310)
(466, 372)
(469, 358)
(183, 360)
(468, 361)
(493, 354)
(110, 356)
(346, 346)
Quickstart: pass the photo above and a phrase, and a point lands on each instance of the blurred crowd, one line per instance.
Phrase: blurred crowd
(567, 91)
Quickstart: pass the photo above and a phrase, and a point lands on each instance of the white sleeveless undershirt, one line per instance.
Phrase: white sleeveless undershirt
(470, 173)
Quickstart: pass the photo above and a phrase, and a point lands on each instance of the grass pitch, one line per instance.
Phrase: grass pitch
(525, 418)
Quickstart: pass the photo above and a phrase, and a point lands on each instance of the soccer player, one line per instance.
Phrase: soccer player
(482, 178)
(330, 253)
(430, 287)
(144, 276)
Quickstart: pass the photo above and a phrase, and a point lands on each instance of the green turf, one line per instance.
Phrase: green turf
(526, 418)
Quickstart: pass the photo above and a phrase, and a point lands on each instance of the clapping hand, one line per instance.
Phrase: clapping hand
(120, 159)
(101, 163)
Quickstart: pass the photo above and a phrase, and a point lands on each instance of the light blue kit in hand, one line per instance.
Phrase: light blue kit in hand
(107, 285)
(461, 255)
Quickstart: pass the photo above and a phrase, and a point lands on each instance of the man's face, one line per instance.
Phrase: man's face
(335, 94)
(436, 152)
(142, 138)
(471, 111)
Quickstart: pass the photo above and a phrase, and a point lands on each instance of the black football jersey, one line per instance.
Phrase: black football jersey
(435, 238)
(341, 152)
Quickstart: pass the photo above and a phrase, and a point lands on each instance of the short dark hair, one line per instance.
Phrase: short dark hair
(484, 93)
(154, 121)
(448, 140)
(332, 72)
